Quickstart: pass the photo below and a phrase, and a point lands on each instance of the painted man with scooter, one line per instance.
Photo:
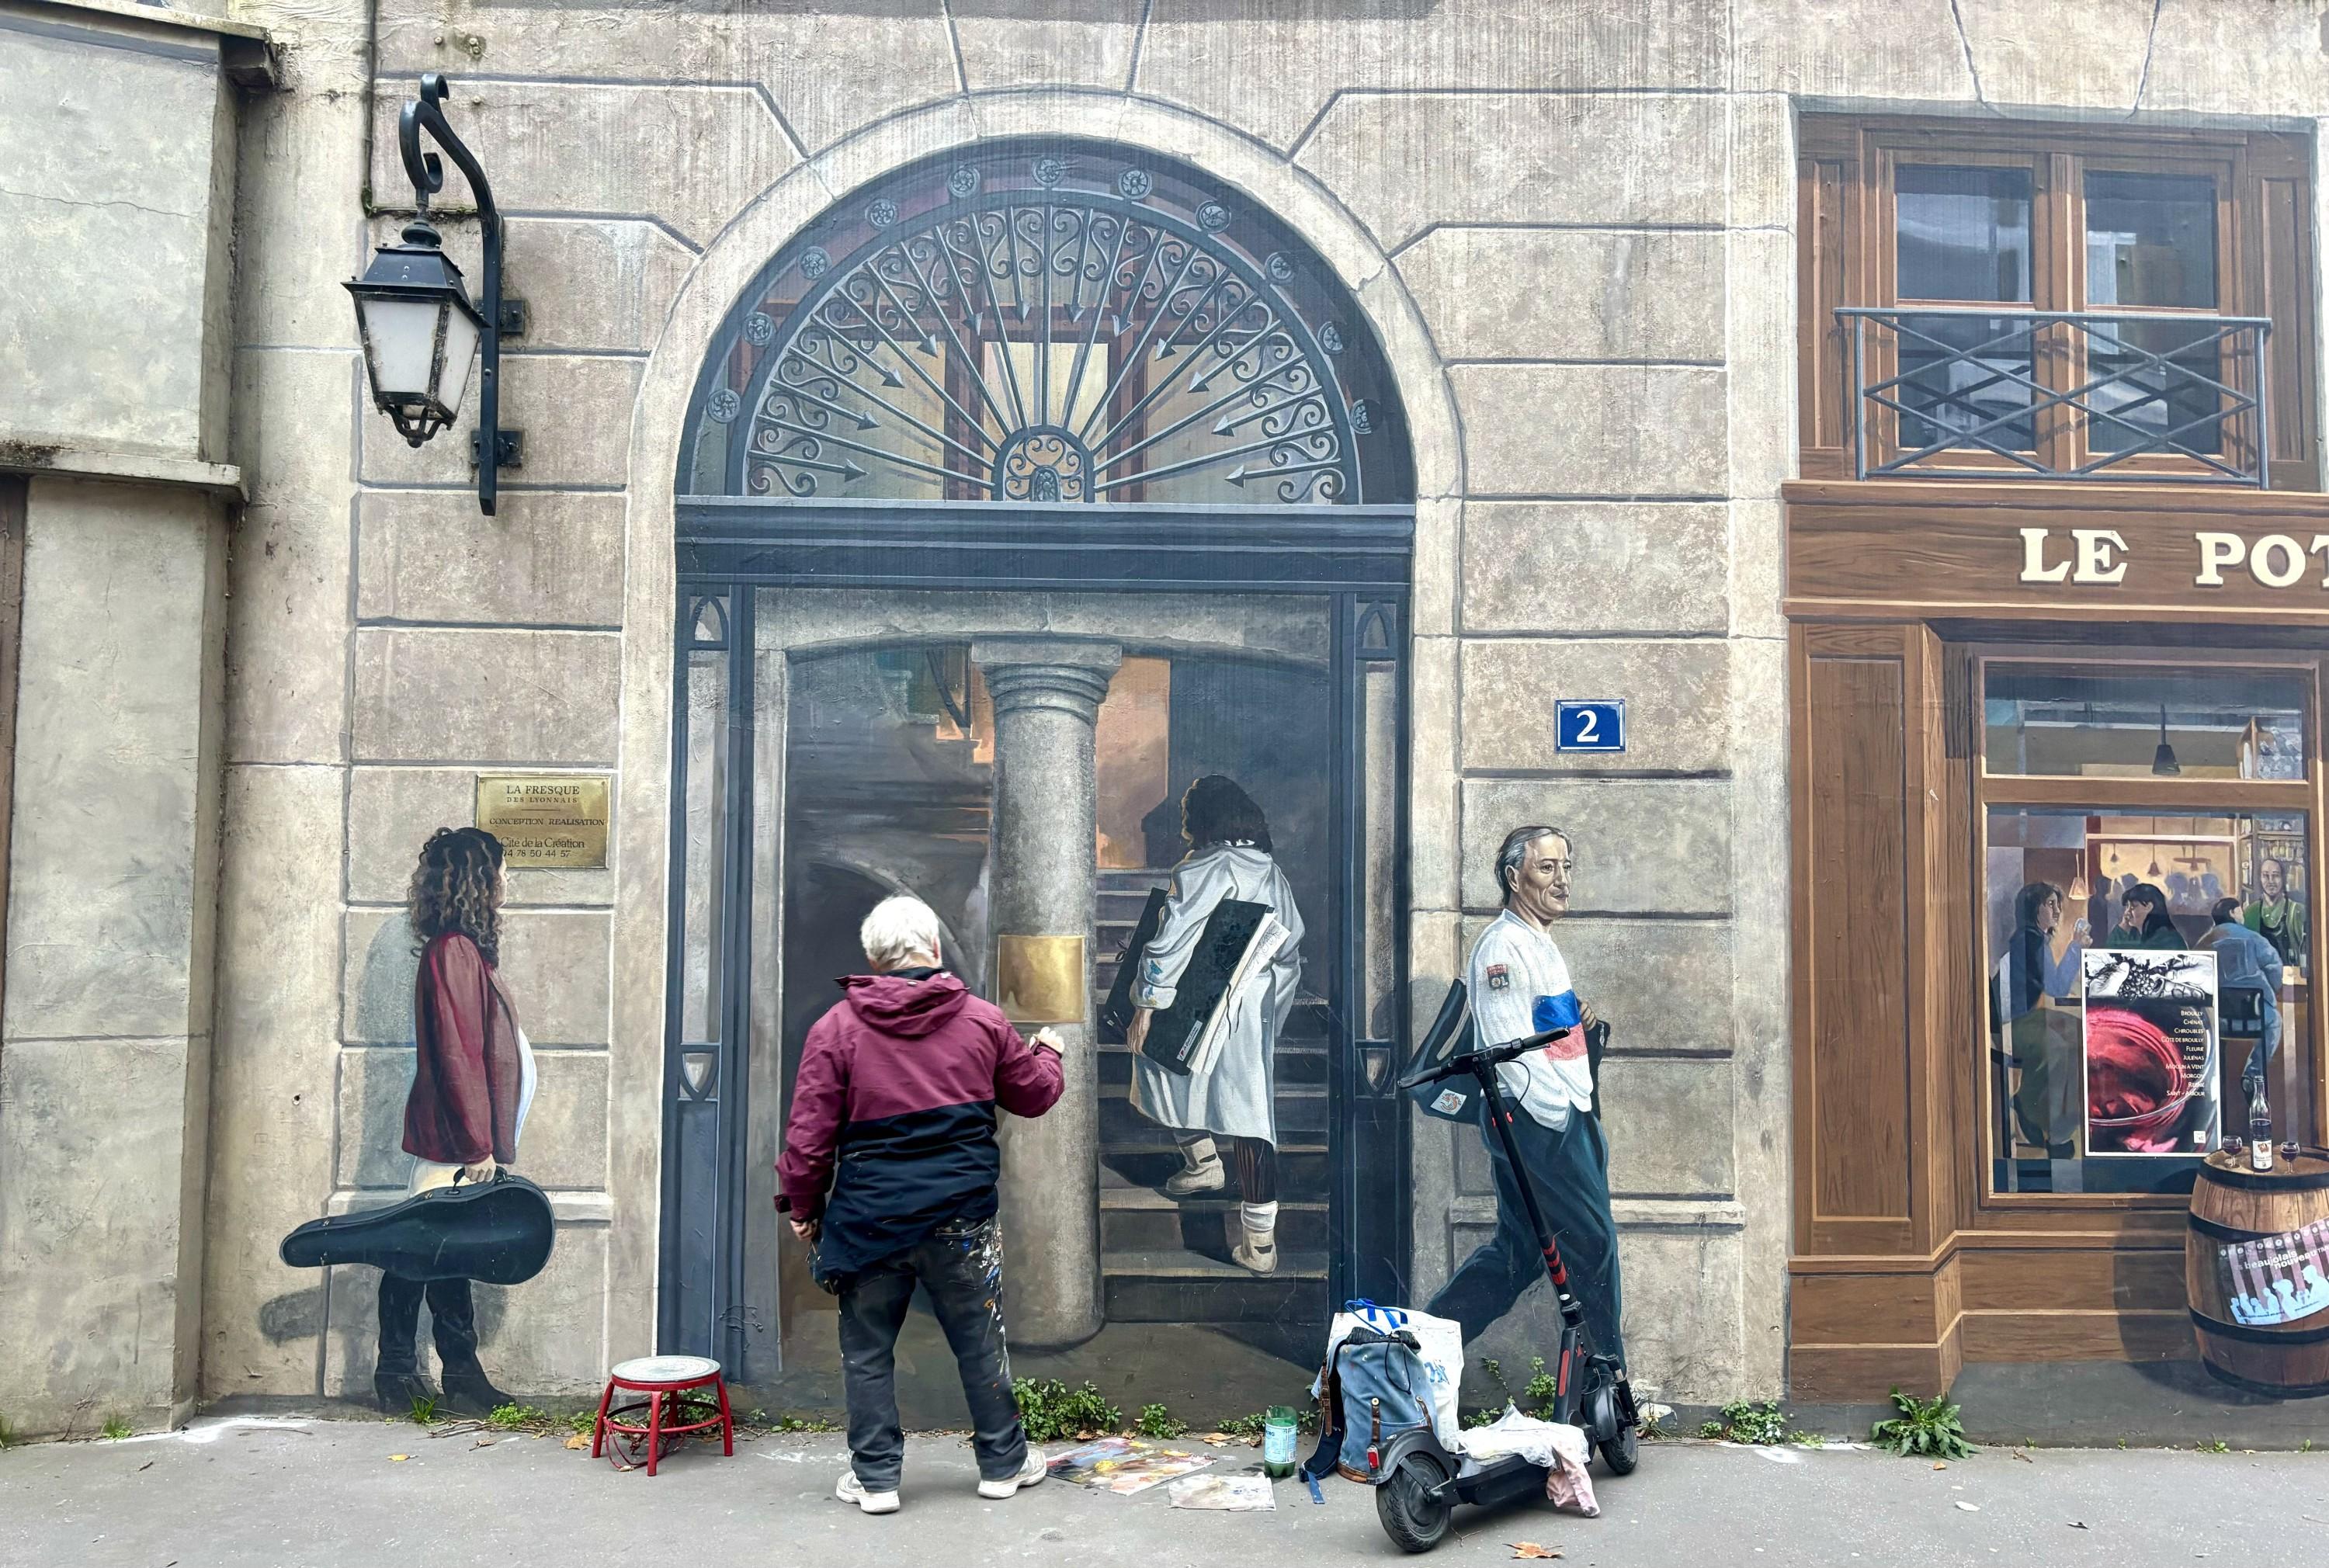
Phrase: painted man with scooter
(1520, 987)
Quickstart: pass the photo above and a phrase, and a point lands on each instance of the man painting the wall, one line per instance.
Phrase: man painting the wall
(889, 1169)
(1520, 986)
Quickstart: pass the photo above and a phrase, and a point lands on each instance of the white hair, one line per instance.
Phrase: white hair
(900, 928)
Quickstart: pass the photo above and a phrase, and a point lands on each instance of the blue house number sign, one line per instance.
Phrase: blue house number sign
(1589, 726)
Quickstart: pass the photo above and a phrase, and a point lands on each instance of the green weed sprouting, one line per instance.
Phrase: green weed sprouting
(1051, 1410)
(1925, 1429)
(1758, 1425)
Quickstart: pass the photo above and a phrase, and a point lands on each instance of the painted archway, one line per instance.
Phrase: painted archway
(1375, 314)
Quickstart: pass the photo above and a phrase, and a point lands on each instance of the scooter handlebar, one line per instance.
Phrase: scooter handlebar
(1459, 1066)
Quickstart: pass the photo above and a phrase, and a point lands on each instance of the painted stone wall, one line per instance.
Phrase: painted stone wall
(1570, 224)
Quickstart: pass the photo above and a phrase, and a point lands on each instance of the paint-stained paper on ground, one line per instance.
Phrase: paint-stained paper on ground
(1224, 1493)
(1122, 1465)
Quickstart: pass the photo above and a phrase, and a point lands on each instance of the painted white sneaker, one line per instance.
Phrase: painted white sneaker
(1028, 1475)
(1190, 1181)
(1254, 1250)
(852, 1490)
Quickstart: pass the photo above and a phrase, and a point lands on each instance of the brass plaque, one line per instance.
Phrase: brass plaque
(1039, 980)
(546, 822)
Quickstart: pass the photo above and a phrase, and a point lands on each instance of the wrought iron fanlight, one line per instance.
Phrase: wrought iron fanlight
(1043, 329)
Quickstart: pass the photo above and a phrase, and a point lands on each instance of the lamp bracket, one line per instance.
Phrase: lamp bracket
(514, 317)
(509, 446)
(422, 115)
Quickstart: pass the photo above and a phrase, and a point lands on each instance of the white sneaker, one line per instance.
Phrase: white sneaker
(1028, 1475)
(1191, 1179)
(852, 1490)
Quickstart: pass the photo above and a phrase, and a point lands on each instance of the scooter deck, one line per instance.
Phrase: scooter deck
(1501, 1481)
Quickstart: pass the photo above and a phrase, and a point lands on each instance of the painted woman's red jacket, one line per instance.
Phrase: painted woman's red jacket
(465, 1084)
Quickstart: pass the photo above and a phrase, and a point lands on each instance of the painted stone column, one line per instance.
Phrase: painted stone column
(1047, 693)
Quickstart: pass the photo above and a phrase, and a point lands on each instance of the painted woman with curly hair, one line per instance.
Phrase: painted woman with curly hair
(472, 1082)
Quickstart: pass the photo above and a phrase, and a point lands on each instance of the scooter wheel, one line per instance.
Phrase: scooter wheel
(1404, 1503)
(1622, 1453)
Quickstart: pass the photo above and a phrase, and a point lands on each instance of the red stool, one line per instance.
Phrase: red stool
(661, 1378)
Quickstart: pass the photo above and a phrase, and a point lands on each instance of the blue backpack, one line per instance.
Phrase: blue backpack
(1372, 1387)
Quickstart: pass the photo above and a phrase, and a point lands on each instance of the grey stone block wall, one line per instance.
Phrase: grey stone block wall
(1571, 223)
(111, 338)
(105, 1042)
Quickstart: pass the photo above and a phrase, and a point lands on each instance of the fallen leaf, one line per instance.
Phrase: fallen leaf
(146, 1466)
(2078, 1524)
(2024, 1458)
(1939, 1466)
(1531, 1549)
(398, 1459)
(578, 1440)
(483, 1442)
(1970, 1508)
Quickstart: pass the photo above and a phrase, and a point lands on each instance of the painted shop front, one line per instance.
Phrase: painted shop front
(2060, 650)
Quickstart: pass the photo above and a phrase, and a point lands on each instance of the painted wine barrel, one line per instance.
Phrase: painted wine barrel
(2256, 1263)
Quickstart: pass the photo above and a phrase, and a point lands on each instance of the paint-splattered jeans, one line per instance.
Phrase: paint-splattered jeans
(961, 1265)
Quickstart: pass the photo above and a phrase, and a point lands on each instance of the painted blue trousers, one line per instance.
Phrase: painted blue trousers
(1571, 1169)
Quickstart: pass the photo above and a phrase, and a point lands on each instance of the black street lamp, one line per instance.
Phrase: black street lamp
(418, 326)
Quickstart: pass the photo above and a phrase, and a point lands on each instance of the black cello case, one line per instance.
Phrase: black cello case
(499, 1232)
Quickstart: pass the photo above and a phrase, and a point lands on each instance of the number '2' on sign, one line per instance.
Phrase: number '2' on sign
(1589, 726)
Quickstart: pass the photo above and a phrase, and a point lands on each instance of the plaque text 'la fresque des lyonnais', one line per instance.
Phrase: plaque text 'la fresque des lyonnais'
(546, 822)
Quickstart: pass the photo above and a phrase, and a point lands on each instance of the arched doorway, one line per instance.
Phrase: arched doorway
(1020, 488)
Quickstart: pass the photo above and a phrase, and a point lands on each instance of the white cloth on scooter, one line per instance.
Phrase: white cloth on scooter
(1559, 1448)
(1440, 1345)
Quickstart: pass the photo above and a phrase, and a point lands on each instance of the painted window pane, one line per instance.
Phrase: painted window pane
(1964, 233)
(2151, 240)
(2230, 724)
(2128, 991)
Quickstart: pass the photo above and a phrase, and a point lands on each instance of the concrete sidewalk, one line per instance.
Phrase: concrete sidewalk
(284, 1493)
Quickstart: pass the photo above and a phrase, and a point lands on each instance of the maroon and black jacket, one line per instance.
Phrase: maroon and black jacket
(463, 1106)
(892, 1133)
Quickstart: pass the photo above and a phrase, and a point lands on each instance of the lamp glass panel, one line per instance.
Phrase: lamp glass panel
(460, 353)
(400, 339)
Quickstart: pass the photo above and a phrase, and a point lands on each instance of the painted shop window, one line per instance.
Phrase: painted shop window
(2049, 721)
(2146, 937)
(2154, 293)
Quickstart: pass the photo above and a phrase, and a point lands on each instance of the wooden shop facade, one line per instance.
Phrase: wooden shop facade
(2057, 582)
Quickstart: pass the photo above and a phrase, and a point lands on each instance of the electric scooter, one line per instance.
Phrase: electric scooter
(1417, 1482)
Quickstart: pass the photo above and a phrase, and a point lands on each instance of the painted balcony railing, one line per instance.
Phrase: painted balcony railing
(1981, 392)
